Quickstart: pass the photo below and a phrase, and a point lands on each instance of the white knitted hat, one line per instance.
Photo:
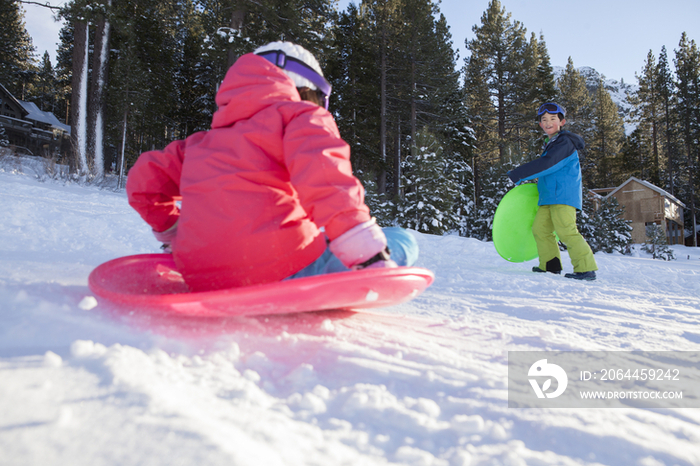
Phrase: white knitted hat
(298, 52)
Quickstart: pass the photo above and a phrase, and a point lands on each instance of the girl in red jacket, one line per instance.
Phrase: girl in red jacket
(258, 187)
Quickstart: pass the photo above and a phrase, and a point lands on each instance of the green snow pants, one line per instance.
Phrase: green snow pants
(561, 219)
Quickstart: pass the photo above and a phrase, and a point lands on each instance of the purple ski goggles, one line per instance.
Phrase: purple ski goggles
(552, 108)
(281, 59)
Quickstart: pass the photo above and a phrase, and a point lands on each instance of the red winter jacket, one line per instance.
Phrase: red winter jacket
(255, 188)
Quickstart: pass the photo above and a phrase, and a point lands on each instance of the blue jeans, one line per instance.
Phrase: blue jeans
(403, 247)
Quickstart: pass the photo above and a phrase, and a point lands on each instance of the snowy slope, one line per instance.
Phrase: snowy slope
(423, 383)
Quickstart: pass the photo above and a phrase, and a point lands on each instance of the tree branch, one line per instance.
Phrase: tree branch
(45, 5)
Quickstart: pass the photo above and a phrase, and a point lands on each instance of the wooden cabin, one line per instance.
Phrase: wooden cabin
(646, 204)
(30, 130)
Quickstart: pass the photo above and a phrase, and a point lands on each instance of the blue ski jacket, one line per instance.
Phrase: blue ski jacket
(558, 170)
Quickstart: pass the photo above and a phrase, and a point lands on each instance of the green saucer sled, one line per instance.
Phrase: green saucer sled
(512, 224)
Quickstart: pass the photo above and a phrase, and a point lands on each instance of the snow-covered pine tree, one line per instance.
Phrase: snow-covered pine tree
(586, 221)
(382, 209)
(604, 227)
(4, 142)
(495, 185)
(614, 232)
(657, 245)
(464, 203)
(431, 191)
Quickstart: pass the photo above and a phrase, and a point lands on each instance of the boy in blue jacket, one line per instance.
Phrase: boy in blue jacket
(561, 192)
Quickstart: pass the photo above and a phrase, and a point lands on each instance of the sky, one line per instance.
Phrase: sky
(42, 27)
(612, 36)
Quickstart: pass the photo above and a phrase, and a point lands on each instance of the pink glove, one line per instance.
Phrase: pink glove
(360, 244)
(166, 237)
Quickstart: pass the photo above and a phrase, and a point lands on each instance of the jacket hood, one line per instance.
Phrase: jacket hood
(575, 139)
(250, 85)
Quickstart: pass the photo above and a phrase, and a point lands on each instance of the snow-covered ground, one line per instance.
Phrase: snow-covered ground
(423, 383)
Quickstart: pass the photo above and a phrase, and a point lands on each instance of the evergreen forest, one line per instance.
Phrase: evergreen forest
(432, 135)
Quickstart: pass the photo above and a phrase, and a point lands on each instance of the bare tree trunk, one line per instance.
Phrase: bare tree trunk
(123, 148)
(399, 173)
(78, 163)
(381, 179)
(693, 176)
(96, 104)
(414, 120)
(237, 19)
(669, 150)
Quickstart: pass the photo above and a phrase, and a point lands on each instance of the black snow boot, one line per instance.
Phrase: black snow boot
(553, 266)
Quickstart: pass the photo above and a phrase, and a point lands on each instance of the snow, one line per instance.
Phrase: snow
(422, 383)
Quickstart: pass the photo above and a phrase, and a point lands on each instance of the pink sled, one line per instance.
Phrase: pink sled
(152, 282)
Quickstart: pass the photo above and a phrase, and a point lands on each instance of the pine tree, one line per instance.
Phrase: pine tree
(631, 155)
(431, 91)
(195, 101)
(687, 63)
(602, 224)
(383, 15)
(493, 74)
(495, 185)
(614, 232)
(453, 121)
(657, 245)
(431, 190)
(354, 75)
(605, 142)
(586, 220)
(647, 113)
(63, 72)
(619, 228)
(464, 204)
(394, 72)
(384, 210)
(538, 87)
(17, 63)
(576, 99)
(4, 142)
(45, 90)
(142, 95)
(665, 85)
(502, 75)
